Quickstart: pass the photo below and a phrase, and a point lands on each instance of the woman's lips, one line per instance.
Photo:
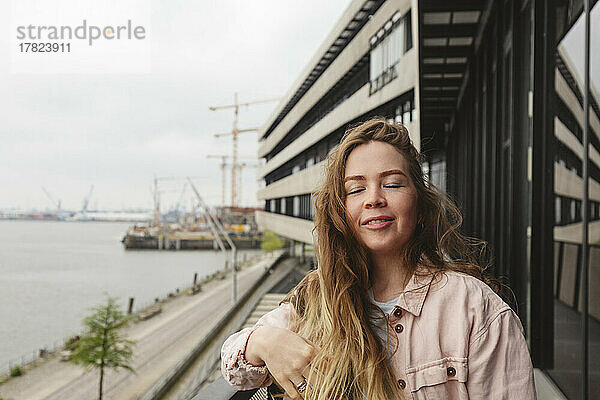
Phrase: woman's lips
(378, 223)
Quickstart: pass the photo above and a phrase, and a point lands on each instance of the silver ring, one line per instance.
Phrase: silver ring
(301, 386)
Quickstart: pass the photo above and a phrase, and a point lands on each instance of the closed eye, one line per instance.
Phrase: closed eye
(393, 185)
(355, 190)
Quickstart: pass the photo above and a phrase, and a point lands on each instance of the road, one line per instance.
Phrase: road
(161, 342)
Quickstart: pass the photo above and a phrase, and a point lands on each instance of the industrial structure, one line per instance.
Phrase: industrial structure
(493, 94)
(235, 197)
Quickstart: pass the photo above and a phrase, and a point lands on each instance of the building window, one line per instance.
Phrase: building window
(568, 210)
(437, 171)
(296, 206)
(404, 112)
(310, 162)
(387, 47)
(407, 115)
(282, 209)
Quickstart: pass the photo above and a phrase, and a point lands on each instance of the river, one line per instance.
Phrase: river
(51, 273)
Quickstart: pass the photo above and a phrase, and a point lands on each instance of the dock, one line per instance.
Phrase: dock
(154, 239)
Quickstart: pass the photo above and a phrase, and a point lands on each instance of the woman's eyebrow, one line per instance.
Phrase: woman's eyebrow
(354, 178)
(381, 175)
(392, 172)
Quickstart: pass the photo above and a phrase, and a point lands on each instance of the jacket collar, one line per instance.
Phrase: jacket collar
(413, 296)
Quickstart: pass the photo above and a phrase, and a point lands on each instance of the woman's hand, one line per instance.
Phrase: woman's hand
(286, 354)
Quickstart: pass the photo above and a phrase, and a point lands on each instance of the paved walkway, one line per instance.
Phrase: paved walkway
(161, 342)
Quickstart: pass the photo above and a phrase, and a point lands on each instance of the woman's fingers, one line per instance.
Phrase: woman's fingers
(291, 391)
(301, 384)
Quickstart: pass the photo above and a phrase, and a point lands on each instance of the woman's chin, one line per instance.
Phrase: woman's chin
(384, 249)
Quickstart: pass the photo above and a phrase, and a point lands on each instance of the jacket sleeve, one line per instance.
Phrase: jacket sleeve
(499, 362)
(234, 366)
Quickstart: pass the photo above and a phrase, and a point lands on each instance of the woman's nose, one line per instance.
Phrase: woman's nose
(375, 199)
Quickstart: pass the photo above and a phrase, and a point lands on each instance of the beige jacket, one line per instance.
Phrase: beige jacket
(456, 340)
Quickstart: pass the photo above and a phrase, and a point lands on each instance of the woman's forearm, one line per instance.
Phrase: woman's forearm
(254, 348)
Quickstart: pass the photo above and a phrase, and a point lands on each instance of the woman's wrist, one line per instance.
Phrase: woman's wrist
(253, 353)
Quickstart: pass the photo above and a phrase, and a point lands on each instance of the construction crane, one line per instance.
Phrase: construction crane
(235, 132)
(179, 202)
(223, 165)
(156, 220)
(241, 166)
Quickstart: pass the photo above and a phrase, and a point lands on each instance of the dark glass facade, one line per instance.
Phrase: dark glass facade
(508, 121)
(570, 343)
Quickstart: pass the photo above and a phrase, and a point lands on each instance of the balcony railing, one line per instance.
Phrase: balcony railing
(385, 77)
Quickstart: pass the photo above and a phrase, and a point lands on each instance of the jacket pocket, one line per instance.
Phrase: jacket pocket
(441, 379)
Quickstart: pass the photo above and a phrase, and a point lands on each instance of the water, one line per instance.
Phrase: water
(51, 273)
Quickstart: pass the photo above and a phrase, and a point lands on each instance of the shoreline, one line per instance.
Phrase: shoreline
(52, 377)
(38, 357)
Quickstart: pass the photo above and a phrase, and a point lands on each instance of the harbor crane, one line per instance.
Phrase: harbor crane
(54, 202)
(156, 220)
(223, 165)
(235, 132)
(86, 200)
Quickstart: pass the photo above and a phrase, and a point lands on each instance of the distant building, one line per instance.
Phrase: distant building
(492, 95)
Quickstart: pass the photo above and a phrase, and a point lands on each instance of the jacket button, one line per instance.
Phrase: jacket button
(401, 383)
(398, 312)
(451, 371)
(399, 328)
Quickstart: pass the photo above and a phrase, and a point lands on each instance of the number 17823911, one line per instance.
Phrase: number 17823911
(45, 47)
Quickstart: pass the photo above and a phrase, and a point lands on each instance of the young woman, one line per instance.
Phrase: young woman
(399, 306)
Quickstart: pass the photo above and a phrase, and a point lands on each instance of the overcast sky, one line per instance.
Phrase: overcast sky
(115, 117)
(67, 131)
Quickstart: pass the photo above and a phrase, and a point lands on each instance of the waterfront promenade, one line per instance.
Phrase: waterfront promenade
(161, 342)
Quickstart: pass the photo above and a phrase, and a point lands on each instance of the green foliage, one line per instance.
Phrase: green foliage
(271, 241)
(72, 342)
(102, 346)
(16, 371)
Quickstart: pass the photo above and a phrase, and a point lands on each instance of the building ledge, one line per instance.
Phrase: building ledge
(301, 182)
(290, 227)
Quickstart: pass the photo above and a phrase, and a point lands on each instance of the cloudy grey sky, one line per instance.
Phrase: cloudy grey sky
(67, 131)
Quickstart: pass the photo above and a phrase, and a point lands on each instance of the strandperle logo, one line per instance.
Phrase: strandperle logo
(84, 31)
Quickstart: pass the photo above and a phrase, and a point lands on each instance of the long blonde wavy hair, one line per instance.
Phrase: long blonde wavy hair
(333, 307)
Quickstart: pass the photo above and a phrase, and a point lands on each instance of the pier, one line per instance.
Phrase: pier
(185, 240)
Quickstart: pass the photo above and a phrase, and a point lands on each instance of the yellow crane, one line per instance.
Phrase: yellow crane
(235, 132)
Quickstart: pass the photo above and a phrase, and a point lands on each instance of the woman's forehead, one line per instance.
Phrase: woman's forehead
(373, 158)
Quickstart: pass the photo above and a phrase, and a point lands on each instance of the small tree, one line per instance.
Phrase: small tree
(271, 241)
(102, 346)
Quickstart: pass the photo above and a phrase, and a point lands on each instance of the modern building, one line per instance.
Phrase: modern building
(493, 94)
(367, 65)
